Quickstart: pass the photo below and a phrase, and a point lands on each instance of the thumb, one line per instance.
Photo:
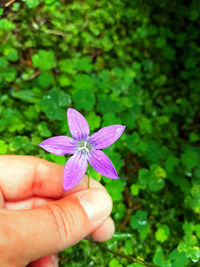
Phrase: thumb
(31, 234)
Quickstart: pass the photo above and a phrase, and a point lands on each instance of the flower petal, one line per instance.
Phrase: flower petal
(106, 136)
(102, 164)
(78, 125)
(59, 145)
(75, 169)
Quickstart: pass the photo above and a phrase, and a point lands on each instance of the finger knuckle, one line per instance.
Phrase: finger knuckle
(64, 220)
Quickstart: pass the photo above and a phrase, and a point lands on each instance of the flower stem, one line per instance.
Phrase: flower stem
(129, 258)
(88, 173)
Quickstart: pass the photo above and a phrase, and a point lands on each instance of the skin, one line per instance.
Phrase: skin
(38, 218)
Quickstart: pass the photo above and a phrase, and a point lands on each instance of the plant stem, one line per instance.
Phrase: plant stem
(129, 258)
(88, 173)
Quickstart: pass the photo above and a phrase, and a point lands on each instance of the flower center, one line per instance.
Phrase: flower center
(84, 146)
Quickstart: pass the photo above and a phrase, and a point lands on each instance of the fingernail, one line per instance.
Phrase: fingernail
(97, 205)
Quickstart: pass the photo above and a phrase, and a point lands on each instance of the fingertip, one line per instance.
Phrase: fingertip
(105, 231)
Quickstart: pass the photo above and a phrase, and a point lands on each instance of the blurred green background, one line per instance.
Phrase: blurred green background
(129, 62)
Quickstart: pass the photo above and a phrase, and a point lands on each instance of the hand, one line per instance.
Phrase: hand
(38, 219)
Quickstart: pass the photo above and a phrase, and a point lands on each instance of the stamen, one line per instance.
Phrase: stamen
(84, 146)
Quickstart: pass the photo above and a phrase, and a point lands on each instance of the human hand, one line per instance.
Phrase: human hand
(39, 219)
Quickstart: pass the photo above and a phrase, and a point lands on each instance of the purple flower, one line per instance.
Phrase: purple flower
(84, 148)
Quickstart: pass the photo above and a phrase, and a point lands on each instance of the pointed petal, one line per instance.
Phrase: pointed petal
(59, 145)
(78, 125)
(102, 164)
(75, 169)
(106, 136)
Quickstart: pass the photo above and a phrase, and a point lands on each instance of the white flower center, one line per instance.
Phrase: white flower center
(84, 147)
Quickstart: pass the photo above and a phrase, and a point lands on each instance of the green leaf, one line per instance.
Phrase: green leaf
(114, 263)
(135, 189)
(194, 14)
(145, 125)
(43, 129)
(32, 3)
(154, 152)
(6, 25)
(16, 143)
(53, 102)
(115, 189)
(156, 184)
(197, 229)
(106, 104)
(110, 119)
(121, 236)
(10, 53)
(193, 137)
(30, 96)
(83, 81)
(64, 99)
(66, 65)
(160, 42)
(12, 121)
(128, 248)
(58, 159)
(169, 52)
(129, 117)
(84, 99)
(119, 211)
(95, 175)
(31, 112)
(139, 222)
(93, 120)
(162, 234)
(179, 258)
(134, 265)
(157, 171)
(170, 163)
(45, 79)
(3, 62)
(84, 64)
(45, 60)
(190, 158)
(3, 147)
(64, 80)
(159, 258)
(10, 74)
(144, 176)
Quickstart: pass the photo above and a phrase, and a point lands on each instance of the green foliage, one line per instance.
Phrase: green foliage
(152, 178)
(93, 120)
(84, 99)
(178, 258)
(115, 191)
(53, 102)
(115, 263)
(117, 62)
(44, 60)
(3, 147)
(139, 221)
(162, 233)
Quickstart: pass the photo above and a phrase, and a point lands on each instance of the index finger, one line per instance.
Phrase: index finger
(24, 176)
